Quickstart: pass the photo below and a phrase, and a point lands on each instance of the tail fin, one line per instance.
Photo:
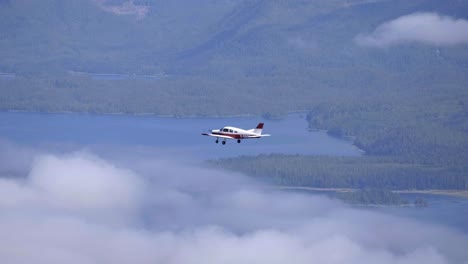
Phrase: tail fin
(258, 129)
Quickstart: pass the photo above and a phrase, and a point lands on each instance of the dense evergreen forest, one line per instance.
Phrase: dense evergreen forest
(348, 172)
(377, 197)
(228, 57)
(406, 106)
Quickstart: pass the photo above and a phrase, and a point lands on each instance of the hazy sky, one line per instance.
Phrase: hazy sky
(78, 207)
(426, 28)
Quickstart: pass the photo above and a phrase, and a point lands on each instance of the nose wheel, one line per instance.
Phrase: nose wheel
(217, 141)
(238, 141)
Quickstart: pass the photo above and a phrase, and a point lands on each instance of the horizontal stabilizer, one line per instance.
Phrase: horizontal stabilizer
(217, 136)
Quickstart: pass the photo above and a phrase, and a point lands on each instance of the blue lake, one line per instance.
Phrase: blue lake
(116, 76)
(181, 137)
(7, 76)
(120, 76)
(446, 210)
(290, 135)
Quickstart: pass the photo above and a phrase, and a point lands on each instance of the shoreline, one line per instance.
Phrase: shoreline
(454, 193)
(156, 115)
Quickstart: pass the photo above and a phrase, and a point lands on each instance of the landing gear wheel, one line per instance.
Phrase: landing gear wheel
(238, 141)
(224, 142)
(217, 141)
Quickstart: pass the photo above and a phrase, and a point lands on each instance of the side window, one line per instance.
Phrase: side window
(230, 130)
(225, 130)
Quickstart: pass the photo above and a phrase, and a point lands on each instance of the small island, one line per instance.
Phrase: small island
(379, 197)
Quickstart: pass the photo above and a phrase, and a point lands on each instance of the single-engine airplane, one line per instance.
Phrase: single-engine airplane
(229, 132)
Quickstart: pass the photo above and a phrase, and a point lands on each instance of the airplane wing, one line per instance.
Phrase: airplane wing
(217, 136)
(259, 136)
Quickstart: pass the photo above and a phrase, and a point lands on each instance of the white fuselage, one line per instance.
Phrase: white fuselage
(235, 132)
(229, 132)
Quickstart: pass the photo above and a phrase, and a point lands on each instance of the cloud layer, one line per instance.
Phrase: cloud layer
(425, 28)
(80, 208)
(125, 8)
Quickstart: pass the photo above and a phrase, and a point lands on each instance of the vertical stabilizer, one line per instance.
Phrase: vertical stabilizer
(258, 129)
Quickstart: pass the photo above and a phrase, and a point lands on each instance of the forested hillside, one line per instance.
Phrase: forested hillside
(278, 55)
(348, 172)
(350, 64)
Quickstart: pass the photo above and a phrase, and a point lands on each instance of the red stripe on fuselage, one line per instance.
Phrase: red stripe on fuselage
(235, 136)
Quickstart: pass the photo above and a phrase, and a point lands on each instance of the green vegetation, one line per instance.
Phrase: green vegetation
(378, 197)
(405, 106)
(374, 197)
(419, 131)
(347, 172)
(181, 96)
(224, 58)
(420, 202)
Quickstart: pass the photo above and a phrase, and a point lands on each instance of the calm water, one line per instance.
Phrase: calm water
(450, 211)
(445, 210)
(7, 76)
(119, 76)
(182, 136)
(177, 135)
(115, 76)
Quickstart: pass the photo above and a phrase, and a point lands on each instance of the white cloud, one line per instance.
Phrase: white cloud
(305, 44)
(79, 208)
(425, 28)
(124, 8)
(83, 181)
